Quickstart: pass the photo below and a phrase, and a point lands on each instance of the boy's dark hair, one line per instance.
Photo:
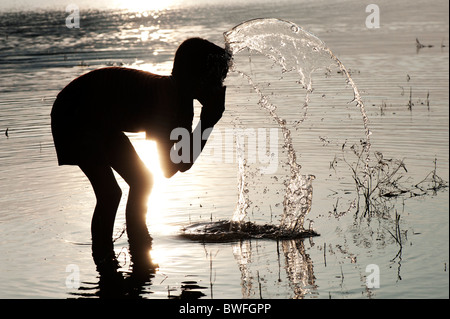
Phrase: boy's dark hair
(200, 62)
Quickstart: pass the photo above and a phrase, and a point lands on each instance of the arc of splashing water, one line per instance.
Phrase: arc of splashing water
(294, 49)
(256, 35)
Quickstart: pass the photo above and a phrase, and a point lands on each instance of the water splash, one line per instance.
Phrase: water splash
(297, 202)
(294, 50)
(299, 53)
(243, 201)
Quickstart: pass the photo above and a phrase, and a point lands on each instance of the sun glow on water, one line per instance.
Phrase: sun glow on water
(144, 5)
(158, 199)
(148, 152)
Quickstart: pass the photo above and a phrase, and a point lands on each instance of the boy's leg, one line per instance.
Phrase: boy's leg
(125, 161)
(108, 194)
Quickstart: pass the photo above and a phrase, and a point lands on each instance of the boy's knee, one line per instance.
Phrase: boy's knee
(145, 183)
(113, 194)
(109, 197)
(116, 193)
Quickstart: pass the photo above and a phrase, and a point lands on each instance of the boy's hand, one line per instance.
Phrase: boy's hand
(213, 106)
(171, 169)
(168, 167)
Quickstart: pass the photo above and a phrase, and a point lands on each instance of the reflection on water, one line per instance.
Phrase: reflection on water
(133, 282)
(141, 6)
(297, 265)
(136, 279)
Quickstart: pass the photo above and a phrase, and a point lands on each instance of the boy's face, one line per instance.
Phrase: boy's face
(210, 94)
(206, 89)
(213, 106)
(216, 70)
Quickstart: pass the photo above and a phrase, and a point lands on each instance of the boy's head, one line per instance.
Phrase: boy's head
(200, 63)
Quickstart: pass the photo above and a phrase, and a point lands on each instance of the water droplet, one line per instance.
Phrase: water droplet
(294, 28)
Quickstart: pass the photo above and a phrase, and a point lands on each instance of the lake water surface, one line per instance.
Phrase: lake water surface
(45, 210)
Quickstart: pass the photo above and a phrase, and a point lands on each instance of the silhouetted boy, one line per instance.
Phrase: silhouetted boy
(90, 115)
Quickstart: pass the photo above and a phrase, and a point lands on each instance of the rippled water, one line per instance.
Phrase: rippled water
(45, 210)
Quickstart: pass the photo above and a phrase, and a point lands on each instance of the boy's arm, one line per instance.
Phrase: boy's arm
(168, 167)
(166, 149)
(213, 106)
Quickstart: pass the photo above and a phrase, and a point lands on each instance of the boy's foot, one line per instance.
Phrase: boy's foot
(139, 240)
(140, 253)
(106, 264)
